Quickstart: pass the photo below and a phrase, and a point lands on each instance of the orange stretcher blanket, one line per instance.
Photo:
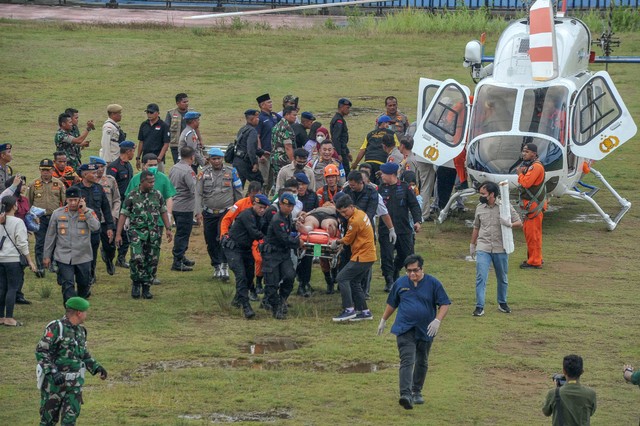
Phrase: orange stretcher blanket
(317, 236)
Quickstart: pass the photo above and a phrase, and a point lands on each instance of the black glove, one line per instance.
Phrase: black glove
(102, 371)
(58, 377)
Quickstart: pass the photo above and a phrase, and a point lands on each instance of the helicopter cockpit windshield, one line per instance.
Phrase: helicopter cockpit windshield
(496, 145)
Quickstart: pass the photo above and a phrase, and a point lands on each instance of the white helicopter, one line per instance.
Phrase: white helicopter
(538, 89)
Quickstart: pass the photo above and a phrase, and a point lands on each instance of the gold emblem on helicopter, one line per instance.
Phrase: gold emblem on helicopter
(431, 153)
(609, 143)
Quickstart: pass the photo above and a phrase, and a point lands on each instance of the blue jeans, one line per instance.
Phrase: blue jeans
(501, 265)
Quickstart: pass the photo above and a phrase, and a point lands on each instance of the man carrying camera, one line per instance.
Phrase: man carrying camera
(570, 403)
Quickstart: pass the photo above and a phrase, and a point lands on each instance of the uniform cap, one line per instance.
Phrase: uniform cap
(191, 115)
(46, 164)
(531, 147)
(302, 178)
(290, 99)
(261, 199)
(73, 192)
(114, 108)
(409, 177)
(216, 152)
(384, 119)
(251, 112)
(308, 115)
(5, 147)
(344, 101)
(152, 108)
(77, 303)
(287, 198)
(262, 98)
(97, 160)
(389, 168)
(331, 170)
(88, 167)
(127, 145)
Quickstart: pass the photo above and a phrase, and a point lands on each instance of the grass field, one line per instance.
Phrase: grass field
(182, 358)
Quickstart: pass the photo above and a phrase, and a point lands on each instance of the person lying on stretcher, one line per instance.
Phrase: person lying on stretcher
(324, 217)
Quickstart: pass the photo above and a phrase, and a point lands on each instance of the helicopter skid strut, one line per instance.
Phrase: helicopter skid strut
(445, 211)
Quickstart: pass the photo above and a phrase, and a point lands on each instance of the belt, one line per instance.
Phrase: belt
(215, 211)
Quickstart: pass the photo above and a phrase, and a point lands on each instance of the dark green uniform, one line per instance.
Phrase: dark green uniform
(63, 347)
(144, 210)
(281, 135)
(63, 141)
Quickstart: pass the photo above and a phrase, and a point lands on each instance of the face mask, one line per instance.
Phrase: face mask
(153, 170)
(484, 199)
(320, 138)
(300, 166)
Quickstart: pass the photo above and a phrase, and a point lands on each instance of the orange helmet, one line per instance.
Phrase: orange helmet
(331, 170)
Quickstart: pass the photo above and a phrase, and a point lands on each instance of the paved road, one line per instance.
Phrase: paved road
(128, 16)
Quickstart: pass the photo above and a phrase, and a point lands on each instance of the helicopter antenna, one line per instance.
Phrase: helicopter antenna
(607, 41)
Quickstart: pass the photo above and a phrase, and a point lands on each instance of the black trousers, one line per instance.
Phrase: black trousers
(109, 248)
(95, 244)
(40, 236)
(11, 279)
(184, 225)
(211, 225)
(279, 276)
(174, 154)
(445, 180)
(242, 264)
(124, 248)
(304, 270)
(69, 275)
(391, 266)
(350, 282)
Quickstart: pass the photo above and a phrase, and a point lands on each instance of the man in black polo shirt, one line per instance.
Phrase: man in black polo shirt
(153, 137)
(122, 171)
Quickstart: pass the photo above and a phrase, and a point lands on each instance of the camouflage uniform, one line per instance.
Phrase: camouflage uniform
(144, 210)
(282, 134)
(63, 347)
(72, 151)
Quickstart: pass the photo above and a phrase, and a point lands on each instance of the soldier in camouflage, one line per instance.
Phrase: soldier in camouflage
(144, 207)
(63, 357)
(282, 138)
(67, 142)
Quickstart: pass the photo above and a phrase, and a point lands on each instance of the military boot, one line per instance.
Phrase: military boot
(259, 287)
(278, 312)
(122, 262)
(307, 290)
(135, 290)
(329, 280)
(224, 272)
(146, 293)
(300, 291)
(247, 311)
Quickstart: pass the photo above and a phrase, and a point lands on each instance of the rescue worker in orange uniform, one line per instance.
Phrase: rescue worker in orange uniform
(533, 200)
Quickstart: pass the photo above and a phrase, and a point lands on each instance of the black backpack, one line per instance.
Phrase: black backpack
(230, 153)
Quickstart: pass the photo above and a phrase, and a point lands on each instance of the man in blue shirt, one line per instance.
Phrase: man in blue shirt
(422, 304)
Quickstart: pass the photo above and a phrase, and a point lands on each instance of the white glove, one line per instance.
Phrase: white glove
(381, 326)
(472, 250)
(333, 245)
(393, 237)
(505, 222)
(432, 328)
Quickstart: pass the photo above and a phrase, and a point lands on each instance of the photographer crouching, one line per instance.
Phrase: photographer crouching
(570, 402)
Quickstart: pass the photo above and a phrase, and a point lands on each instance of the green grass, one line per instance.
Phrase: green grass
(171, 356)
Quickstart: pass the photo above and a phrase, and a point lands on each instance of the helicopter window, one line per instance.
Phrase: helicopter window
(447, 118)
(427, 96)
(596, 108)
(493, 110)
(501, 154)
(544, 110)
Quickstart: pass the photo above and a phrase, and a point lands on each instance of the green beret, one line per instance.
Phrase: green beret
(77, 303)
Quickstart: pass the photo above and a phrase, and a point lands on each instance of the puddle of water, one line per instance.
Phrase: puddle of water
(587, 218)
(362, 367)
(256, 416)
(267, 346)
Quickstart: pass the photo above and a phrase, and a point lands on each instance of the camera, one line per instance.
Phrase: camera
(559, 379)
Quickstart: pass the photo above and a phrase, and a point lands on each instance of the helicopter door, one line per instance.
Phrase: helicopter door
(600, 121)
(427, 89)
(441, 134)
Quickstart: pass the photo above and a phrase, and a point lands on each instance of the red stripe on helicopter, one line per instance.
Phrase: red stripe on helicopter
(540, 20)
(541, 54)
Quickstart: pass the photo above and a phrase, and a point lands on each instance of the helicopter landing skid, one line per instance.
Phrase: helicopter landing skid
(445, 211)
(624, 203)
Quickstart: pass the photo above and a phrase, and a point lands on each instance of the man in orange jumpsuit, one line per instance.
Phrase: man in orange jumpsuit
(533, 200)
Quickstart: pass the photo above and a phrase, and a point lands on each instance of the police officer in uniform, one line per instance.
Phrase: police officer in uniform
(95, 198)
(267, 120)
(400, 201)
(183, 179)
(276, 257)
(218, 187)
(63, 357)
(191, 137)
(372, 149)
(112, 134)
(309, 200)
(143, 207)
(176, 123)
(68, 240)
(110, 186)
(237, 246)
(46, 193)
(340, 133)
(247, 152)
(122, 170)
(5, 169)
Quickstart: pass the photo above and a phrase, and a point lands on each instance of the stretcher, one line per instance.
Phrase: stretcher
(317, 243)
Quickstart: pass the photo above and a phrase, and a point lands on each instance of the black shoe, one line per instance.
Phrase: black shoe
(478, 312)
(135, 291)
(122, 262)
(248, 312)
(265, 305)
(188, 262)
(40, 273)
(278, 313)
(259, 287)
(525, 265)
(503, 307)
(417, 398)
(156, 281)
(181, 267)
(146, 294)
(22, 301)
(406, 402)
(253, 296)
(300, 291)
(308, 291)
(111, 269)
